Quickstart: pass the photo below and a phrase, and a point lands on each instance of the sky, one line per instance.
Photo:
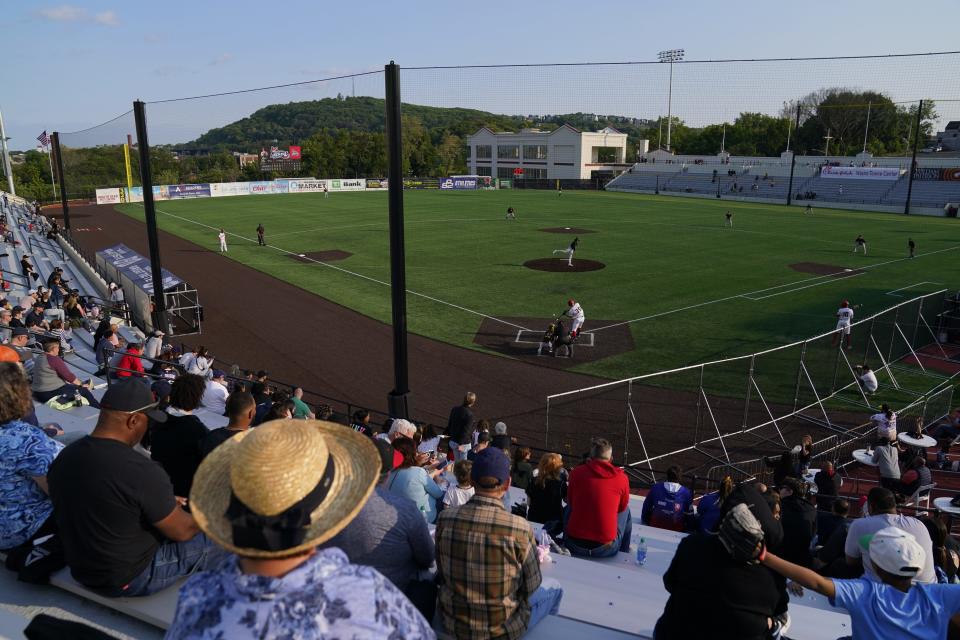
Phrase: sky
(68, 67)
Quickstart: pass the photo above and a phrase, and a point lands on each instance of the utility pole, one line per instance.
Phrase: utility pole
(670, 56)
(828, 138)
(866, 130)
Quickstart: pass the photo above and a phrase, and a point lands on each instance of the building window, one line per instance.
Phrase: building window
(505, 173)
(534, 152)
(484, 152)
(508, 152)
(534, 174)
(606, 154)
(469, 150)
(484, 171)
(563, 154)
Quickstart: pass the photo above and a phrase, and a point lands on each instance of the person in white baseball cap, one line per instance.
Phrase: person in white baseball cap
(895, 607)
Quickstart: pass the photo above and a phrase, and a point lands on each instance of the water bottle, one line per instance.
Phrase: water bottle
(642, 552)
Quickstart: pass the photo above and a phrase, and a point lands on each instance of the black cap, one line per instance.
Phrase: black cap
(20, 331)
(132, 395)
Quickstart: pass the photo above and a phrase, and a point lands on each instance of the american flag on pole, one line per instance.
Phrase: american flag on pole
(44, 139)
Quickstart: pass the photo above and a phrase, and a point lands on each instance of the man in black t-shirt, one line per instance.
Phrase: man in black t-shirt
(460, 427)
(123, 531)
(240, 409)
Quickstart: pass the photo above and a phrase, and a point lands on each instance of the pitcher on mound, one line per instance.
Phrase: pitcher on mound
(569, 251)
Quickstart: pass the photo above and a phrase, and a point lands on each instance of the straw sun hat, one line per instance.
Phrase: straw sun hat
(283, 487)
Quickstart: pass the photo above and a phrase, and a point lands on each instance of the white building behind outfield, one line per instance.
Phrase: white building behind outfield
(566, 153)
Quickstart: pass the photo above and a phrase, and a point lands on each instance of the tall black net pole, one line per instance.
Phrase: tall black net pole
(399, 398)
(793, 158)
(58, 162)
(159, 314)
(913, 160)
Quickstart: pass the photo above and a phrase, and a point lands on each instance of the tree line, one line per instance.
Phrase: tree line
(345, 137)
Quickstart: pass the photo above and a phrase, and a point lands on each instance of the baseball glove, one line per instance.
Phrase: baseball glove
(741, 534)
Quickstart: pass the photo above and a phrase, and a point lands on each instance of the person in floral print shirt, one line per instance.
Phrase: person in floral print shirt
(25, 456)
(312, 478)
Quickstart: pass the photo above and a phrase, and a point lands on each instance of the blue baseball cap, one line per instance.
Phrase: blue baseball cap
(490, 463)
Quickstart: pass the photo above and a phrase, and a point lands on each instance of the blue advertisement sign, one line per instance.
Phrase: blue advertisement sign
(136, 267)
(188, 191)
(458, 183)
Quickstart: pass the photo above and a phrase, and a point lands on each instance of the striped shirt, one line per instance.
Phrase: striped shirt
(487, 561)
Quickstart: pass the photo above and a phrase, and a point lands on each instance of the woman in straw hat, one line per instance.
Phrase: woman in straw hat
(270, 496)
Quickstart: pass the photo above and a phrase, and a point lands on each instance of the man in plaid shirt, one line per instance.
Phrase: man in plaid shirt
(487, 562)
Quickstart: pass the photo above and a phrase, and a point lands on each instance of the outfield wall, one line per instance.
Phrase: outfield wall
(116, 195)
(822, 204)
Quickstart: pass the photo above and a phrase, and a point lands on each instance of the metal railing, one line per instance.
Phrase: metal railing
(748, 401)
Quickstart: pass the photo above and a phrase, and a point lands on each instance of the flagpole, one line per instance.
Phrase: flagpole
(53, 179)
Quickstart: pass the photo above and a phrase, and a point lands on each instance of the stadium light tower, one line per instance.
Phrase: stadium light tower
(671, 56)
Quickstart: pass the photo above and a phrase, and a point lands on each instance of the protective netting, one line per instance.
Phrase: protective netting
(719, 417)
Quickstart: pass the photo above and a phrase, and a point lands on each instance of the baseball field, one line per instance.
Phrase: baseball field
(669, 282)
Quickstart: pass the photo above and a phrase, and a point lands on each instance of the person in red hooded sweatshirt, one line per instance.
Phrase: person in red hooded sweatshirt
(130, 364)
(597, 523)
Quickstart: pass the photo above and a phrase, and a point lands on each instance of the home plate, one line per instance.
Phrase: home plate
(301, 255)
(567, 228)
(848, 270)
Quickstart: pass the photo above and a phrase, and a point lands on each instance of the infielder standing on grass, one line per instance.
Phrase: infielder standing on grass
(260, 232)
(569, 251)
(860, 243)
(511, 214)
(575, 313)
(326, 192)
(844, 318)
(809, 209)
(729, 217)
(223, 241)
(912, 246)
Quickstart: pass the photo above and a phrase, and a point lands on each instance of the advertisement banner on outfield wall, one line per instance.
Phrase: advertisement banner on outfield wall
(376, 184)
(177, 191)
(927, 173)
(952, 174)
(421, 183)
(458, 183)
(224, 189)
(266, 188)
(348, 184)
(861, 173)
(136, 193)
(110, 196)
(306, 186)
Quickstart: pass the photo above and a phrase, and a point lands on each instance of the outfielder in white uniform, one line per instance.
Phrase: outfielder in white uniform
(570, 250)
(223, 241)
(576, 315)
(844, 318)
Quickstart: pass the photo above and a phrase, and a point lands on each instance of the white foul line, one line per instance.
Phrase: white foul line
(911, 286)
(780, 293)
(347, 271)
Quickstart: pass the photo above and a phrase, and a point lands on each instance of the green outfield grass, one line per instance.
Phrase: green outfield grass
(669, 260)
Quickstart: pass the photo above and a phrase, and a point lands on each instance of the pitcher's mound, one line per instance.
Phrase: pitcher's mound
(322, 256)
(819, 269)
(560, 264)
(576, 230)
